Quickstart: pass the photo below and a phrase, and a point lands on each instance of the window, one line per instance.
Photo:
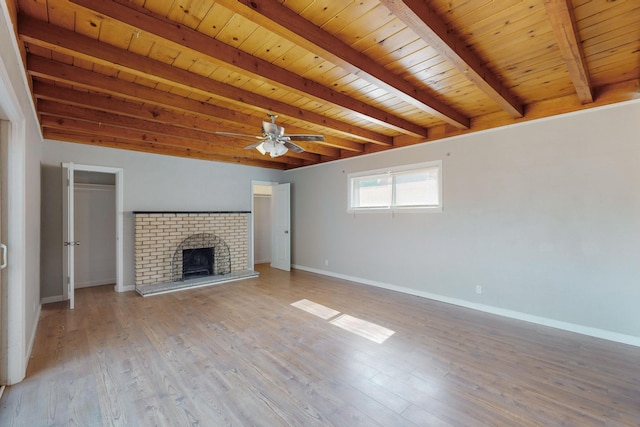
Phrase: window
(414, 187)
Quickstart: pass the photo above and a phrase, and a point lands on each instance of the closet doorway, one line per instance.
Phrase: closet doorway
(91, 221)
(95, 228)
(270, 229)
(262, 194)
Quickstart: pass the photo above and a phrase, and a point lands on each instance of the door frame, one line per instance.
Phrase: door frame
(119, 208)
(251, 226)
(13, 348)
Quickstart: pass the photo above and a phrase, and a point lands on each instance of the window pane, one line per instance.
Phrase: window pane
(417, 188)
(408, 188)
(372, 191)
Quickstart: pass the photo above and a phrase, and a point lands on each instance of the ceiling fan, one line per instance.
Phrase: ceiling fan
(273, 139)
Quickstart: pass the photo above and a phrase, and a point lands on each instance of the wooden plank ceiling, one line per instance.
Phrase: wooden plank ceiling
(163, 75)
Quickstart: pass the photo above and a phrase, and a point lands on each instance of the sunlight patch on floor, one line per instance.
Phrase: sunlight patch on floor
(368, 330)
(316, 309)
(363, 328)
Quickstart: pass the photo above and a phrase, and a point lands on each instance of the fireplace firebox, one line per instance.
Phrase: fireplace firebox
(197, 262)
(200, 255)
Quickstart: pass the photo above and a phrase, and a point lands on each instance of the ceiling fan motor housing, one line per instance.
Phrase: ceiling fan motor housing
(272, 130)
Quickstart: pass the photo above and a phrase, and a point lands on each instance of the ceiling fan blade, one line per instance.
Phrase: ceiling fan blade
(273, 140)
(254, 145)
(291, 146)
(239, 135)
(304, 137)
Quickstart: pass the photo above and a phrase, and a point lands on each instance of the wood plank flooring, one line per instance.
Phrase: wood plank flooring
(239, 354)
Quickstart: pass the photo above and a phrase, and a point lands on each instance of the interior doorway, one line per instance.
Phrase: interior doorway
(13, 317)
(270, 234)
(13, 350)
(262, 194)
(95, 228)
(104, 179)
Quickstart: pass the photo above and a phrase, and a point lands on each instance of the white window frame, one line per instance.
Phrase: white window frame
(394, 170)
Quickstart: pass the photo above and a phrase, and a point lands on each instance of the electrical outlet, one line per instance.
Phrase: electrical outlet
(326, 262)
(478, 289)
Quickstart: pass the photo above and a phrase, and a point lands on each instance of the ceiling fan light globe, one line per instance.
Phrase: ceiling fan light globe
(278, 150)
(270, 146)
(261, 149)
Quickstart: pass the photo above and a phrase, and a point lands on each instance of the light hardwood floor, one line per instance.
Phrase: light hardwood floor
(240, 354)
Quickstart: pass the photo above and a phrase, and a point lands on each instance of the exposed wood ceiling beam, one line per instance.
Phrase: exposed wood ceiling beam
(240, 61)
(564, 25)
(431, 28)
(63, 73)
(113, 87)
(103, 130)
(606, 95)
(151, 147)
(283, 21)
(60, 40)
(59, 72)
(127, 114)
(83, 119)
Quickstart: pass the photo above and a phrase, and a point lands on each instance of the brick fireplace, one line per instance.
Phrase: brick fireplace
(162, 239)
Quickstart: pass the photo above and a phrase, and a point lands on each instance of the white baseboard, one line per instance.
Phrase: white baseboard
(32, 339)
(101, 282)
(58, 298)
(55, 298)
(571, 327)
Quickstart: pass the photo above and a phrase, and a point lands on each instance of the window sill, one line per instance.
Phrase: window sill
(427, 209)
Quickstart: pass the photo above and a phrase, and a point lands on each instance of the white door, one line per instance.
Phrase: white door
(280, 233)
(69, 243)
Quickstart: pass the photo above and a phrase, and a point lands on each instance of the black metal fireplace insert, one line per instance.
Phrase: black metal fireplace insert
(200, 255)
(197, 262)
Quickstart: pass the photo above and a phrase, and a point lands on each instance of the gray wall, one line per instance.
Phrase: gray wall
(151, 183)
(544, 215)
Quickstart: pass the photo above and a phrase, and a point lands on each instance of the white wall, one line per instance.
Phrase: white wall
(151, 183)
(24, 153)
(544, 215)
